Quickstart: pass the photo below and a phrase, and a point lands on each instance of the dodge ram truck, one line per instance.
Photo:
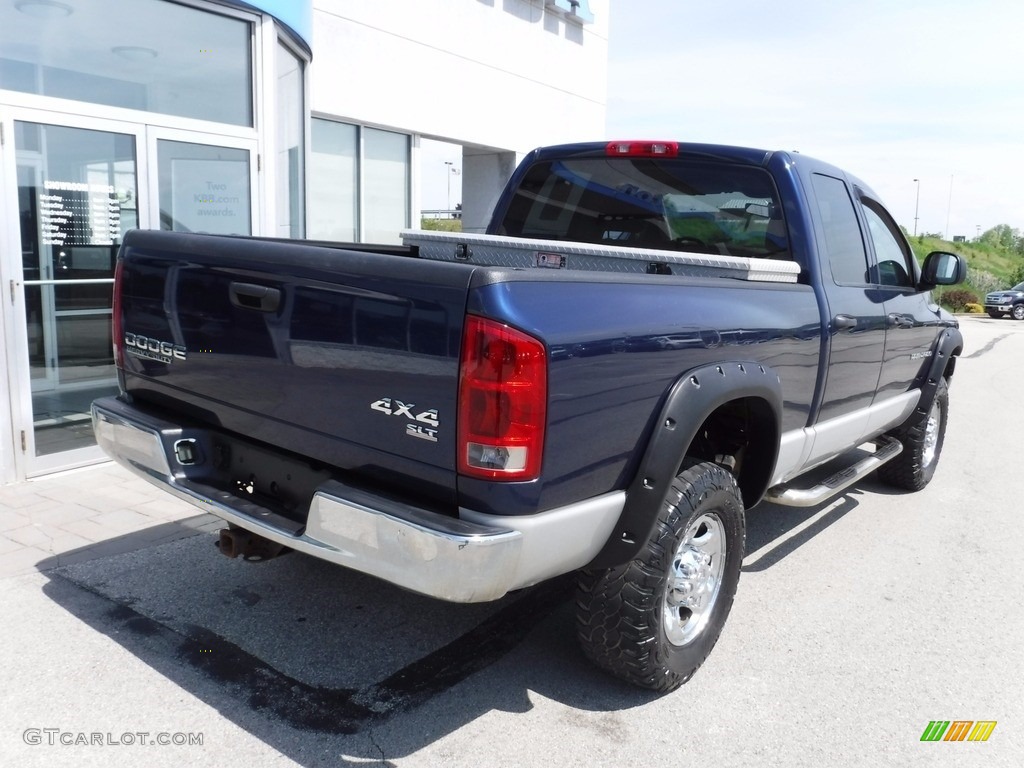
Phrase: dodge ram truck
(649, 339)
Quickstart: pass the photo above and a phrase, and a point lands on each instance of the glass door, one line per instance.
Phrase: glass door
(203, 182)
(77, 193)
(77, 190)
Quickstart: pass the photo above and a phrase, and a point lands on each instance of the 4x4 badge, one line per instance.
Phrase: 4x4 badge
(423, 424)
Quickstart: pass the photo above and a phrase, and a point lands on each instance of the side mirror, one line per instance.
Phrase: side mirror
(942, 268)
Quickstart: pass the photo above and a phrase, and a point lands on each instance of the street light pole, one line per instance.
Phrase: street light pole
(450, 170)
(917, 204)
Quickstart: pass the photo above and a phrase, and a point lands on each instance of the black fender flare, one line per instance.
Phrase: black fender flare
(693, 397)
(948, 346)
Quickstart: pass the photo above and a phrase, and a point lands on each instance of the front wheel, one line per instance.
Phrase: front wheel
(1017, 313)
(995, 315)
(912, 470)
(653, 621)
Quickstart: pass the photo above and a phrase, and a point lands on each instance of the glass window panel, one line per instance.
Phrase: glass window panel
(688, 203)
(843, 242)
(84, 344)
(290, 133)
(894, 262)
(76, 197)
(204, 188)
(159, 56)
(385, 185)
(37, 322)
(70, 365)
(77, 194)
(333, 181)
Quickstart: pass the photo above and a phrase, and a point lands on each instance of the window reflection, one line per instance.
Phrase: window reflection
(158, 56)
(386, 185)
(355, 170)
(333, 181)
(204, 188)
(77, 193)
(290, 132)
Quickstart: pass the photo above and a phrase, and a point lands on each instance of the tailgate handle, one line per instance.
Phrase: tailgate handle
(258, 297)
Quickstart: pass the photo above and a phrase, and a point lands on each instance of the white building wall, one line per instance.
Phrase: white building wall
(502, 74)
(484, 174)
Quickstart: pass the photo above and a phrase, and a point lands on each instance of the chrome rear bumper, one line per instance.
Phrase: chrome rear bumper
(474, 558)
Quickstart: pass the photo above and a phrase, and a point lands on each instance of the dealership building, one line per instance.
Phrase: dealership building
(283, 118)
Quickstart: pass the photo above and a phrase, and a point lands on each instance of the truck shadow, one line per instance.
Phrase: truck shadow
(774, 532)
(313, 659)
(310, 658)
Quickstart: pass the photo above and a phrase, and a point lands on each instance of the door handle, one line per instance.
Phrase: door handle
(844, 322)
(902, 321)
(262, 298)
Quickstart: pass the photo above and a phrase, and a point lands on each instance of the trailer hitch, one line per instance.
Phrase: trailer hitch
(235, 542)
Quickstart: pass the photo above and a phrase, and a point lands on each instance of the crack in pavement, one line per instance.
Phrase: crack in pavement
(988, 347)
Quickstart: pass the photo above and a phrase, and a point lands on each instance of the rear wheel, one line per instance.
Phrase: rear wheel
(922, 444)
(653, 621)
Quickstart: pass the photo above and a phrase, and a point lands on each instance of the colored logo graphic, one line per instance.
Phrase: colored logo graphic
(958, 730)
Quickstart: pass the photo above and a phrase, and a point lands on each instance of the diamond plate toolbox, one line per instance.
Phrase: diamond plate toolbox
(522, 253)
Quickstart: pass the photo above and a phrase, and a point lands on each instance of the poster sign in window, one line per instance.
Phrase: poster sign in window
(76, 213)
(210, 196)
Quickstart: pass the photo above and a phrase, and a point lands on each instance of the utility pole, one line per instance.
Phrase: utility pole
(949, 204)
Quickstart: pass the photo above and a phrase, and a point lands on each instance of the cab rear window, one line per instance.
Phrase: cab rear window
(666, 203)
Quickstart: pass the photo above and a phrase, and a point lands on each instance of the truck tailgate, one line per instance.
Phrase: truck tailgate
(347, 358)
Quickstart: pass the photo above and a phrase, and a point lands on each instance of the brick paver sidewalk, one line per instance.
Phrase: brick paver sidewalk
(88, 513)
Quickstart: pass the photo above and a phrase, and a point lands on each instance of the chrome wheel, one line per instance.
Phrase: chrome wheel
(930, 445)
(922, 441)
(694, 579)
(1018, 312)
(653, 620)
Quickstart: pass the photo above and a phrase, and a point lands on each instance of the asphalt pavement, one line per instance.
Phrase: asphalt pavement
(127, 640)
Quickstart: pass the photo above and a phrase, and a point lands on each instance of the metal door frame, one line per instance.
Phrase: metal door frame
(22, 448)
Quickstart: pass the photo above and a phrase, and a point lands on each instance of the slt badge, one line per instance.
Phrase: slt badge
(395, 407)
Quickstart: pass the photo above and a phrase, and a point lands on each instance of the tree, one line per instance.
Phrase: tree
(1018, 276)
(1003, 236)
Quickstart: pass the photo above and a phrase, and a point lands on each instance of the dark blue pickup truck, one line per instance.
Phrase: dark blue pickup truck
(651, 338)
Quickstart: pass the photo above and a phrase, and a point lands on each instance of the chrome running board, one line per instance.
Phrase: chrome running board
(888, 448)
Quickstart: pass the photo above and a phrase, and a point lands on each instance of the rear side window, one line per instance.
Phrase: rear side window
(689, 204)
(843, 241)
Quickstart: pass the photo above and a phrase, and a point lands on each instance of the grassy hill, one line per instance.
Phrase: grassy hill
(991, 267)
(441, 225)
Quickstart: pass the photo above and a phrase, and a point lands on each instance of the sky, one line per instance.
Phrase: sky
(888, 91)
(440, 183)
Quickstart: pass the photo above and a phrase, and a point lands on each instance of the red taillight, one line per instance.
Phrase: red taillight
(503, 382)
(116, 325)
(642, 149)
